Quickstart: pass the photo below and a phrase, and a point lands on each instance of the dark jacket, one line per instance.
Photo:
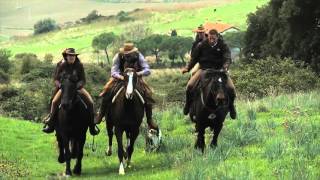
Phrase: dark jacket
(210, 57)
(129, 61)
(73, 69)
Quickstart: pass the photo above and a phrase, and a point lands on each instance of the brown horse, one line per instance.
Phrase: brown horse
(73, 121)
(126, 114)
(210, 105)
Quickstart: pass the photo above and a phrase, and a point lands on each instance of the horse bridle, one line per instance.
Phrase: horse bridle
(210, 109)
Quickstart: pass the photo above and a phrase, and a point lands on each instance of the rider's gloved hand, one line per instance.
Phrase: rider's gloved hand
(79, 85)
(184, 70)
(140, 73)
(226, 66)
(121, 77)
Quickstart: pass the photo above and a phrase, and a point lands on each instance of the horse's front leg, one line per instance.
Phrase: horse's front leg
(61, 158)
(78, 166)
(216, 131)
(130, 148)
(110, 126)
(200, 143)
(119, 132)
(67, 156)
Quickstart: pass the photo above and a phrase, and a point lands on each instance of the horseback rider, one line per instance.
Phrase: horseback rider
(210, 53)
(201, 36)
(70, 64)
(128, 57)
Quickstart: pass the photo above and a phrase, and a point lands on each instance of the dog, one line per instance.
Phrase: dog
(153, 140)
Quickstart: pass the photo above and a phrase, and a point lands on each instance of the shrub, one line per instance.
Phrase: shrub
(28, 62)
(38, 71)
(4, 77)
(44, 26)
(8, 92)
(48, 58)
(4, 60)
(271, 76)
(96, 75)
(92, 16)
(124, 16)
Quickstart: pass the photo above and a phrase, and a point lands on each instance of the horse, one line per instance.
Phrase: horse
(72, 124)
(126, 115)
(210, 105)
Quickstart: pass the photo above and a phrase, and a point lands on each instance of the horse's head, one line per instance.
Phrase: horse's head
(215, 91)
(69, 90)
(131, 79)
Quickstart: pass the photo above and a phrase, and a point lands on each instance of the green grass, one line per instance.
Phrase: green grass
(273, 138)
(184, 20)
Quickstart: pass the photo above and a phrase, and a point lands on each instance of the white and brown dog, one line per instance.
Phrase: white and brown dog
(153, 140)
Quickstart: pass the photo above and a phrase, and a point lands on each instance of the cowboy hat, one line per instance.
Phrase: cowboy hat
(69, 51)
(128, 48)
(200, 29)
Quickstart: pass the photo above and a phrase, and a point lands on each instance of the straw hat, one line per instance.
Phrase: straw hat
(128, 48)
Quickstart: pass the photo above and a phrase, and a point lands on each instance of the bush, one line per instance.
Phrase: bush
(124, 16)
(8, 92)
(271, 76)
(44, 26)
(96, 75)
(92, 16)
(28, 62)
(38, 71)
(28, 102)
(4, 60)
(48, 58)
(4, 77)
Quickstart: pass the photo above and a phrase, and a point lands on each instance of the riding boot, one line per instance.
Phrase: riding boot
(92, 126)
(103, 107)
(233, 112)
(150, 122)
(49, 123)
(186, 108)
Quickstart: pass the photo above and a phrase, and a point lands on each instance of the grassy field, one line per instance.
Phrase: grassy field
(179, 17)
(23, 14)
(273, 138)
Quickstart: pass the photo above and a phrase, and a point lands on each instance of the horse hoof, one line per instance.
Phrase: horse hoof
(121, 169)
(77, 171)
(67, 174)
(61, 159)
(109, 152)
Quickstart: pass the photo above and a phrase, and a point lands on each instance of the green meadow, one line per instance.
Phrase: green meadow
(161, 22)
(273, 138)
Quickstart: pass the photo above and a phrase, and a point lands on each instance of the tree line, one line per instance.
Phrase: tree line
(160, 46)
(285, 28)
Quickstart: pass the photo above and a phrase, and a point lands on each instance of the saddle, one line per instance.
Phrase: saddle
(141, 87)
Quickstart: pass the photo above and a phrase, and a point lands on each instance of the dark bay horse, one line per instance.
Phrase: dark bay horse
(126, 114)
(72, 124)
(210, 105)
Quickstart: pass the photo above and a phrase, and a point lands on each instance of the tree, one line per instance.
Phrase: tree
(235, 40)
(153, 45)
(285, 28)
(177, 46)
(103, 41)
(44, 26)
(136, 32)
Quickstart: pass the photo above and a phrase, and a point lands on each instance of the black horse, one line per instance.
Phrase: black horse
(72, 124)
(210, 105)
(126, 114)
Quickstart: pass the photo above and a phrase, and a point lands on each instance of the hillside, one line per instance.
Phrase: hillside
(182, 18)
(273, 138)
(18, 17)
